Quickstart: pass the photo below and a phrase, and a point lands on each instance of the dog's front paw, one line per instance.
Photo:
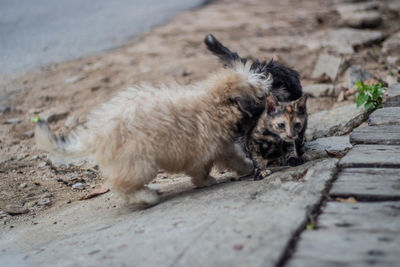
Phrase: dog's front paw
(261, 174)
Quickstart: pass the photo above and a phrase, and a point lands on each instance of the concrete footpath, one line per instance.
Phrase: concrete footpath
(360, 223)
(244, 223)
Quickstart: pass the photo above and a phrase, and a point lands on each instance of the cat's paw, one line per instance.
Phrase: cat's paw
(261, 174)
(293, 161)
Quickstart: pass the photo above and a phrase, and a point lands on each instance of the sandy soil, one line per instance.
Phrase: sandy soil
(171, 52)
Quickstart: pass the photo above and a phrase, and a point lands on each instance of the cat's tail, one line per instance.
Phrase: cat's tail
(223, 53)
(63, 149)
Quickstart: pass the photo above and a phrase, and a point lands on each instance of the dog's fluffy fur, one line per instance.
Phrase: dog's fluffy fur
(177, 129)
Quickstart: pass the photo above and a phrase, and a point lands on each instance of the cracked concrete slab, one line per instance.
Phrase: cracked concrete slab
(230, 224)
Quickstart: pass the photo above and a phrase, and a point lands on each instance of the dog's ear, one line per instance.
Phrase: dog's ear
(272, 103)
(222, 52)
(246, 105)
(302, 104)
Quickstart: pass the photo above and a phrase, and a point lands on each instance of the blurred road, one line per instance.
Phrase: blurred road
(34, 33)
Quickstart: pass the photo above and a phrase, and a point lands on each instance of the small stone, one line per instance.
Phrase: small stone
(42, 165)
(71, 122)
(392, 44)
(390, 80)
(319, 89)
(78, 186)
(361, 19)
(360, 15)
(328, 65)
(29, 133)
(341, 96)
(23, 185)
(22, 156)
(392, 60)
(35, 157)
(73, 79)
(4, 108)
(12, 121)
(342, 40)
(393, 96)
(5, 159)
(45, 201)
(356, 72)
(13, 209)
(72, 176)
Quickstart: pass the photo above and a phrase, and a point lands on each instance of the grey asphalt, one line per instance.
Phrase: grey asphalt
(35, 33)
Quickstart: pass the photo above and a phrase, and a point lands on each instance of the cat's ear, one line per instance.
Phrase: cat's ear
(302, 104)
(272, 103)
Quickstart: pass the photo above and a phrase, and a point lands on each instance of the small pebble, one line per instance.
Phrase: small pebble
(46, 201)
(78, 186)
(12, 121)
(3, 214)
(29, 133)
(13, 209)
(35, 157)
(42, 165)
(72, 176)
(23, 185)
(21, 156)
(71, 122)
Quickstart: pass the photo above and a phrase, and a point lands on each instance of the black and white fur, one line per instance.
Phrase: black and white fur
(286, 86)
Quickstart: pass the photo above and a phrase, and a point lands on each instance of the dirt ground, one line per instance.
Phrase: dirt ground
(171, 52)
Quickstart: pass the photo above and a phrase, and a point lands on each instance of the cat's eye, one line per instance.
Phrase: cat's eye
(297, 125)
(281, 125)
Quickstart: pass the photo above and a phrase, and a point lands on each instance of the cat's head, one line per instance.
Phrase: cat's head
(286, 119)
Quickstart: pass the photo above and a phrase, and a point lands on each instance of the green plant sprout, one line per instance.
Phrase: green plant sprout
(369, 96)
(35, 119)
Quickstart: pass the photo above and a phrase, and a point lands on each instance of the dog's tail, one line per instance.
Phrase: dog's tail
(223, 53)
(62, 149)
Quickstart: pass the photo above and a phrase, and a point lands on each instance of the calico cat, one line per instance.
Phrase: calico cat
(278, 135)
(286, 87)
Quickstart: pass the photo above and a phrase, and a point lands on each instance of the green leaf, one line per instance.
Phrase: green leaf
(376, 93)
(368, 106)
(311, 226)
(369, 95)
(35, 119)
(358, 84)
(361, 99)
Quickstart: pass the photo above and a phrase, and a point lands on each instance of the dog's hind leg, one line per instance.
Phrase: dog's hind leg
(201, 176)
(130, 180)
